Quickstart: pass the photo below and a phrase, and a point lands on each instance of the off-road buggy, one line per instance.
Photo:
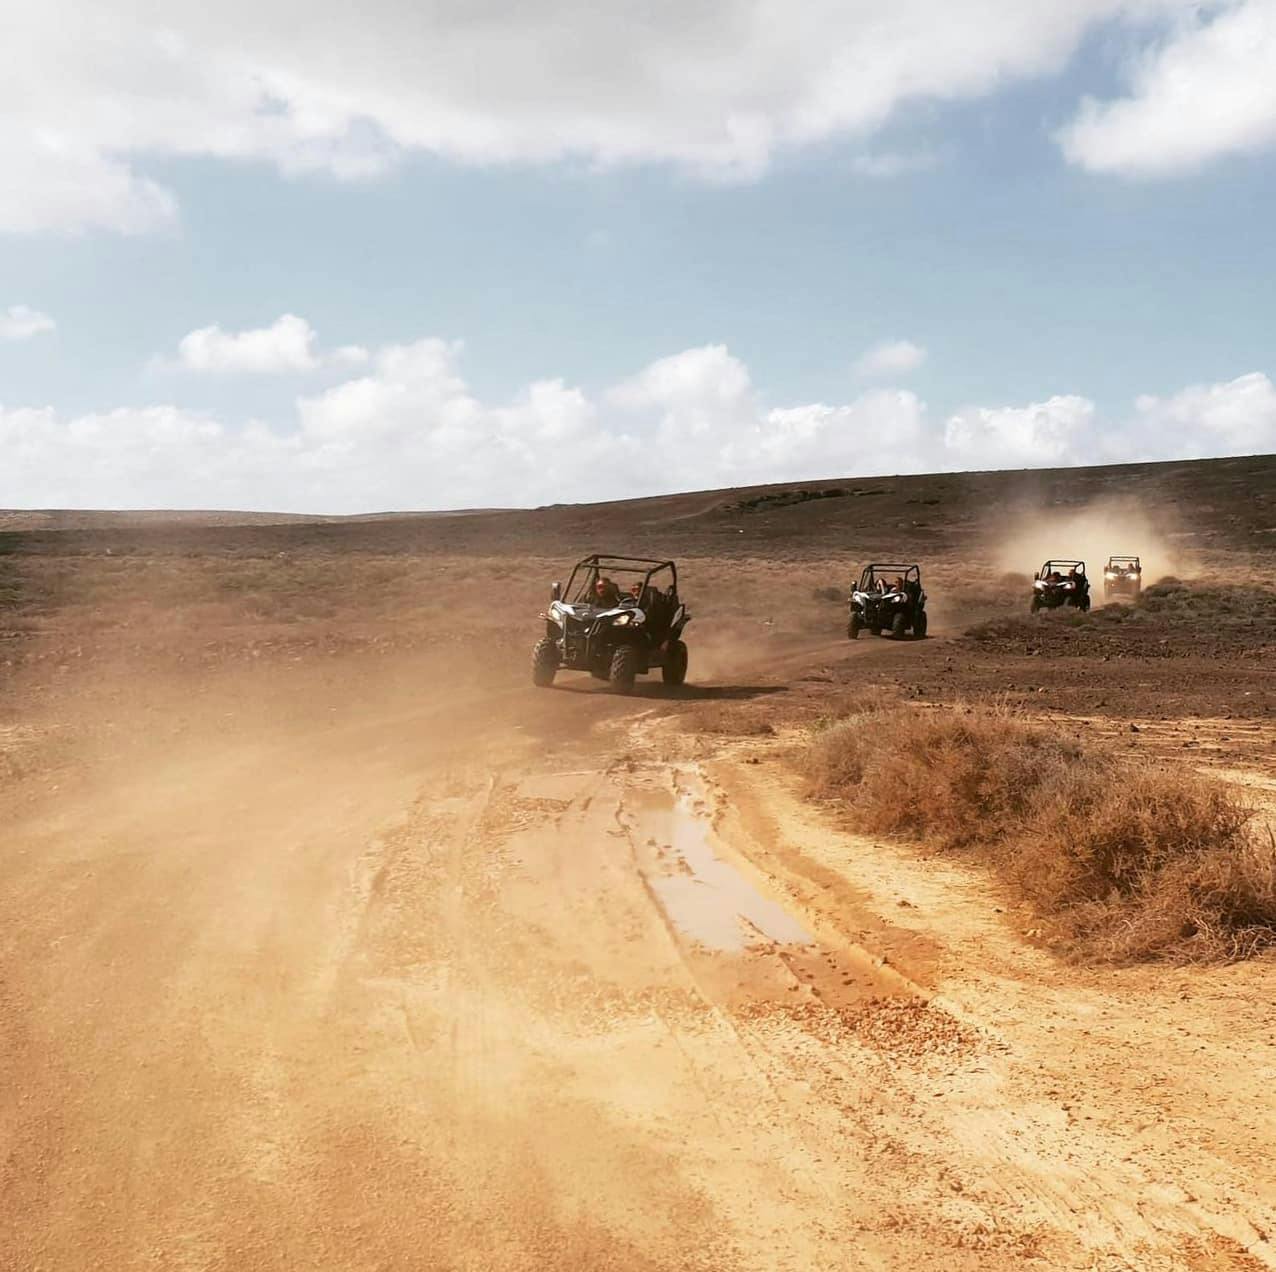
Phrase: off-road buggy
(1060, 583)
(888, 597)
(1123, 576)
(617, 618)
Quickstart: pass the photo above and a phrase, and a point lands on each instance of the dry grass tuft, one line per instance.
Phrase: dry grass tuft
(1125, 861)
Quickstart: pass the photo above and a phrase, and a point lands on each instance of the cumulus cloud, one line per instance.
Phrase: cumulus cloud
(890, 358)
(349, 356)
(21, 322)
(57, 181)
(1234, 418)
(701, 408)
(1057, 431)
(409, 432)
(1208, 90)
(91, 96)
(286, 345)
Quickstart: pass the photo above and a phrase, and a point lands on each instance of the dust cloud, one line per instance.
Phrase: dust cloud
(1116, 525)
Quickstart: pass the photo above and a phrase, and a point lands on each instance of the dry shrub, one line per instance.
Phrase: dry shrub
(1123, 860)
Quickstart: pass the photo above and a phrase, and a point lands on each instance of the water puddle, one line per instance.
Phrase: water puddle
(705, 897)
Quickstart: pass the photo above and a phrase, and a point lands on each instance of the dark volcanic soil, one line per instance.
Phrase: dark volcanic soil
(176, 593)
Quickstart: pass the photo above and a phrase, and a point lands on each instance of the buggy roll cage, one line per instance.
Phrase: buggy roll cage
(910, 573)
(597, 564)
(1125, 563)
(1061, 567)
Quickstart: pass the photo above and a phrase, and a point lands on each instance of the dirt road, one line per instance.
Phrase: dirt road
(487, 978)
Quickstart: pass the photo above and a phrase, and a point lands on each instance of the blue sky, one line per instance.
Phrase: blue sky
(483, 313)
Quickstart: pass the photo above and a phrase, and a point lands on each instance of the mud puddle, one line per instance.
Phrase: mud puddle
(706, 898)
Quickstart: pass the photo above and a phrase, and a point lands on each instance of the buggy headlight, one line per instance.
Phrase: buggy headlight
(622, 620)
(1111, 574)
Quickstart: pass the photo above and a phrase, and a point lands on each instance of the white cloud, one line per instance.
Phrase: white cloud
(883, 431)
(890, 358)
(1207, 91)
(91, 96)
(693, 391)
(1057, 431)
(20, 322)
(410, 433)
(148, 457)
(57, 178)
(1234, 418)
(286, 345)
(349, 356)
(700, 409)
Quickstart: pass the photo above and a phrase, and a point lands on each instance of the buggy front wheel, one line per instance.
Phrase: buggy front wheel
(674, 669)
(853, 627)
(919, 625)
(544, 662)
(899, 626)
(624, 667)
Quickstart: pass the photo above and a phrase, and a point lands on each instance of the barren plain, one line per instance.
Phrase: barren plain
(327, 941)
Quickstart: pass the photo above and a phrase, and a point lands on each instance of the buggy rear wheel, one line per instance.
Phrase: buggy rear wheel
(544, 662)
(624, 667)
(674, 669)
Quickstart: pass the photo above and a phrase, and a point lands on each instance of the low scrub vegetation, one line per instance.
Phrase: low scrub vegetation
(1123, 861)
(1173, 599)
(1171, 619)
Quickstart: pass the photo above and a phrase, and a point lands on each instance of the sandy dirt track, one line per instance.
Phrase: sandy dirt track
(488, 978)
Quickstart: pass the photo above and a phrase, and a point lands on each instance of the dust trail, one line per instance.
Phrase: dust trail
(1119, 524)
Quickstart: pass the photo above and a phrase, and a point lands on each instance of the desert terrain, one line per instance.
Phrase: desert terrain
(327, 941)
